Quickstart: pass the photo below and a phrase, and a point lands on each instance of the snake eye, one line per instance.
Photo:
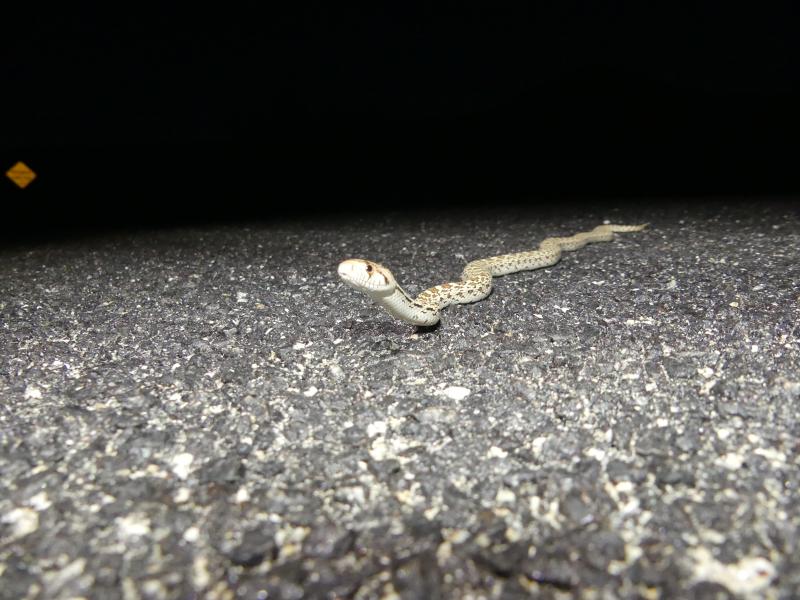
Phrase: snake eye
(369, 268)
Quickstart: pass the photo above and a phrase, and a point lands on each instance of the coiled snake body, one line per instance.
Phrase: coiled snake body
(378, 283)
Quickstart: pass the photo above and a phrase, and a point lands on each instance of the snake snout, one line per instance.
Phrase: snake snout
(347, 273)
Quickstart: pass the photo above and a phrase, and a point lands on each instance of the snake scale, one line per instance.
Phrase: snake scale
(378, 283)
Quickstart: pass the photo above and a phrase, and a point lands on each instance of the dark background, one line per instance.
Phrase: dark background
(158, 116)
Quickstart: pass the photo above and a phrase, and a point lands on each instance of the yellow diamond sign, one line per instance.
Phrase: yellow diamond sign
(21, 174)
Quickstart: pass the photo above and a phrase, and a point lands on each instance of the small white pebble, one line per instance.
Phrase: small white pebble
(734, 304)
(724, 433)
(32, 393)
(241, 297)
(748, 577)
(191, 535)
(181, 464)
(778, 458)
(379, 450)
(731, 461)
(40, 501)
(513, 535)
(154, 589)
(456, 392)
(201, 577)
(289, 534)
(754, 348)
(431, 513)
(22, 521)
(56, 580)
(706, 372)
(312, 391)
(596, 453)
(505, 496)
(182, 495)
(132, 526)
(242, 495)
(496, 452)
(376, 428)
(537, 444)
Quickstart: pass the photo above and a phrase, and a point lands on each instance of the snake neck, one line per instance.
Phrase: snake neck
(401, 306)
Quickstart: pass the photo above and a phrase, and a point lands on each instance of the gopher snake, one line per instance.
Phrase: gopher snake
(476, 280)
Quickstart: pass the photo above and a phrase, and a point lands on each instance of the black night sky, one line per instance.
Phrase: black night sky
(155, 115)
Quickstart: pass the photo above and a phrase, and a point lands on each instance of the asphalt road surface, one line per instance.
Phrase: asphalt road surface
(210, 412)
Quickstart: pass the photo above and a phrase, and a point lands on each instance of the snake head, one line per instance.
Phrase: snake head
(367, 276)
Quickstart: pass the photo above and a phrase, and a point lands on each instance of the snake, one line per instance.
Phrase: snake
(377, 282)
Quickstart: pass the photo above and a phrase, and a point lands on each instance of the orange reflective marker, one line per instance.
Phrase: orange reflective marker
(21, 174)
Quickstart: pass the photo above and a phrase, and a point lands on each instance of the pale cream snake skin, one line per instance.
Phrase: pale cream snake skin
(378, 283)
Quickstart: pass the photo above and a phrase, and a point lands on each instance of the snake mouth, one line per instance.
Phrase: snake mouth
(351, 274)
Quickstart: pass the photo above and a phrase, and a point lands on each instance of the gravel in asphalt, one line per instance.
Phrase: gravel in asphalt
(209, 410)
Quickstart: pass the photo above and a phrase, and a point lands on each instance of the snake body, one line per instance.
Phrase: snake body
(378, 283)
